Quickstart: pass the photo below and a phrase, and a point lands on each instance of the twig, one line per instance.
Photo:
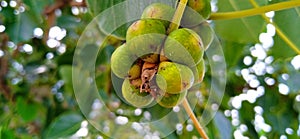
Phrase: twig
(191, 114)
(255, 11)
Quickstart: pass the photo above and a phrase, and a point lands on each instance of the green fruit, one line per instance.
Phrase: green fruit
(159, 11)
(135, 71)
(199, 71)
(146, 46)
(201, 6)
(121, 61)
(170, 100)
(132, 95)
(205, 32)
(184, 46)
(174, 78)
(145, 26)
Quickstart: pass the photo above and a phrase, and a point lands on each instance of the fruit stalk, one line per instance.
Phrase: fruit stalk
(191, 114)
(177, 16)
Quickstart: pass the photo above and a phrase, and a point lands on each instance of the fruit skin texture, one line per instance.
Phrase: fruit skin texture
(171, 100)
(205, 32)
(133, 95)
(145, 37)
(184, 46)
(203, 7)
(159, 11)
(135, 71)
(174, 78)
(145, 26)
(121, 61)
(199, 71)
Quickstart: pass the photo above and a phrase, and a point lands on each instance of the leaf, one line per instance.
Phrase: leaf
(223, 125)
(28, 111)
(98, 6)
(288, 21)
(36, 8)
(21, 29)
(242, 30)
(64, 126)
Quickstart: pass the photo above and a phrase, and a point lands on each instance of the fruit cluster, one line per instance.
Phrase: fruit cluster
(156, 65)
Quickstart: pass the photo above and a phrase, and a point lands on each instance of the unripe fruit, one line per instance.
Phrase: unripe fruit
(174, 78)
(201, 6)
(159, 11)
(121, 61)
(145, 26)
(146, 46)
(132, 94)
(171, 100)
(184, 46)
(205, 32)
(199, 71)
(135, 71)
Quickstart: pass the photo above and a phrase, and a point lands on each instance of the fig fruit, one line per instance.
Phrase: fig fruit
(174, 78)
(146, 46)
(145, 26)
(203, 7)
(205, 32)
(121, 61)
(199, 71)
(184, 46)
(135, 71)
(170, 100)
(159, 11)
(133, 96)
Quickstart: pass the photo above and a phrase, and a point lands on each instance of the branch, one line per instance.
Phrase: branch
(255, 11)
(191, 114)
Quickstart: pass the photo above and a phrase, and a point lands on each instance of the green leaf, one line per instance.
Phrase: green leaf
(64, 126)
(28, 111)
(97, 6)
(36, 8)
(288, 21)
(21, 29)
(242, 30)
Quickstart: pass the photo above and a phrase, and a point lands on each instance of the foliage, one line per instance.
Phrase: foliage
(38, 39)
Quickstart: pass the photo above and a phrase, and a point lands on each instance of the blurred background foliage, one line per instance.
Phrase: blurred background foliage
(37, 43)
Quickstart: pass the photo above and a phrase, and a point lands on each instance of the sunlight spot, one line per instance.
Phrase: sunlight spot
(137, 112)
(21, 9)
(75, 10)
(266, 40)
(247, 60)
(99, 137)
(258, 51)
(263, 137)
(271, 30)
(82, 132)
(78, 0)
(269, 59)
(236, 102)
(227, 113)
(270, 14)
(120, 111)
(189, 127)
(4, 4)
(52, 43)
(179, 127)
(295, 62)
(254, 83)
(259, 110)
(11, 45)
(1, 53)
(57, 12)
(298, 98)
(243, 128)
(289, 131)
(269, 81)
(176, 109)
(214, 107)
(62, 49)
(283, 89)
(27, 48)
(137, 126)
(49, 56)
(259, 68)
(239, 135)
(283, 137)
(38, 33)
(147, 115)
(121, 120)
(285, 76)
(269, 69)
(13, 3)
(2, 28)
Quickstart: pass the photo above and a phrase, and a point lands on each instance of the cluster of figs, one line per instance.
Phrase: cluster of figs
(159, 66)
